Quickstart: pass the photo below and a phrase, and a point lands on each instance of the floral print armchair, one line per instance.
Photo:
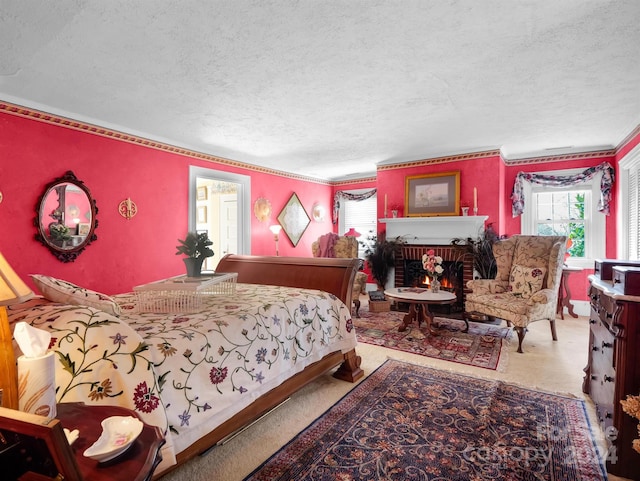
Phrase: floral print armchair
(333, 245)
(526, 285)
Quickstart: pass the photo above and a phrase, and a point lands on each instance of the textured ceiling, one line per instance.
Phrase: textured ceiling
(328, 89)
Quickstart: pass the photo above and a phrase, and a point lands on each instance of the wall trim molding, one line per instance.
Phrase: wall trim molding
(60, 121)
(561, 157)
(441, 160)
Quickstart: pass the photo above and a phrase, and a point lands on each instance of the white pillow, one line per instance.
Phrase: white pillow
(526, 281)
(64, 292)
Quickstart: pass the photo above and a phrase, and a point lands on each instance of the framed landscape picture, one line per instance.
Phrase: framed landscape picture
(432, 195)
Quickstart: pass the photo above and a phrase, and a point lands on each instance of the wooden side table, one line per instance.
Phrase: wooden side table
(564, 293)
(136, 464)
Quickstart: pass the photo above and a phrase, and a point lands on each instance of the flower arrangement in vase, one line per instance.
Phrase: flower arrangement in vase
(631, 406)
(433, 265)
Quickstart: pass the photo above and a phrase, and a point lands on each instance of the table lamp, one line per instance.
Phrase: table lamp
(12, 291)
(352, 233)
(276, 230)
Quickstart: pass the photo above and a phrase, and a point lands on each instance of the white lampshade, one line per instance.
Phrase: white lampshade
(276, 228)
(12, 289)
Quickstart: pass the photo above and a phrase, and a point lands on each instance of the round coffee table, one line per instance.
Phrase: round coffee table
(419, 300)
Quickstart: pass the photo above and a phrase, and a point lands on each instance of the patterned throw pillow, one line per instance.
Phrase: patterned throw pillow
(526, 281)
(57, 290)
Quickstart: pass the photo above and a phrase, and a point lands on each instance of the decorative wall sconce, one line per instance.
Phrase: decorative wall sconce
(127, 208)
(262, 209)
(1, 197)
(275, 229)
(318, 212)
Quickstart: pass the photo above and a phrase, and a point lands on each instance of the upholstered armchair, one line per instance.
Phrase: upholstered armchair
(526, 285)
(333, 245)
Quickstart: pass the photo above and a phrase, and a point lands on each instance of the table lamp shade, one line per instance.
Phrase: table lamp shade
(353, 233)
(12, 290)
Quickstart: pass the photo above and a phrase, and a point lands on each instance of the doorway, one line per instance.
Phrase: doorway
(219, 203)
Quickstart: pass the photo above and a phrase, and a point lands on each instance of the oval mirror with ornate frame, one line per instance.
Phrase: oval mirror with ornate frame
(66, 217)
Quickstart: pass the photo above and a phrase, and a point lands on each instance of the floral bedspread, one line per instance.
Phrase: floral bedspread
(191, 372)
(100, 360)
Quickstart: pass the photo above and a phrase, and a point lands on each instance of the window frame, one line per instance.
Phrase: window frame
(594, 220)
(630, 162)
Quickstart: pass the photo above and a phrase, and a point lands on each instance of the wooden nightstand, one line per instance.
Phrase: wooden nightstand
(136, 464)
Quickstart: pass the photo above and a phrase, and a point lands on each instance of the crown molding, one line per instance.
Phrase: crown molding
(61, 121)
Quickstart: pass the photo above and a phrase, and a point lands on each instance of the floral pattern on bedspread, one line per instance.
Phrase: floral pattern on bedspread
(213, 363)
(188, 373)
(100, 359)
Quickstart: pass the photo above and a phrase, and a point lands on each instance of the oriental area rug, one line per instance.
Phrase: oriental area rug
(409, 422)
(480, 347)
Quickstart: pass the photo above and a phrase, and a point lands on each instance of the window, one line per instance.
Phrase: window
(629, 206)
(570, 211)
(360, 215)
(562, 213)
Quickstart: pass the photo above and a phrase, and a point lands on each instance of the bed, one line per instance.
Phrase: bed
(202, 376)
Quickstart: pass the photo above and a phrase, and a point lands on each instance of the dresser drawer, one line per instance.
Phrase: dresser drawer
(602, 375)
(601, 338)
(626, 280)
(602, 307)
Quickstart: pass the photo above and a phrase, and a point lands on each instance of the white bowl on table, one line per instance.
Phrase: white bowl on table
(118, 433)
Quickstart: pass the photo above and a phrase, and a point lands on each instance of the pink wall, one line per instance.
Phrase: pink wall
(481, 172)
(127, 252)
(494, 181)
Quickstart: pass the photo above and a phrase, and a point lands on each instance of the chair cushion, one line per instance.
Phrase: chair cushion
(526, 281)
(498, 304)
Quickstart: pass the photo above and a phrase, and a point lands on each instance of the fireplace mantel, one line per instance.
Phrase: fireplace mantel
(434, 230)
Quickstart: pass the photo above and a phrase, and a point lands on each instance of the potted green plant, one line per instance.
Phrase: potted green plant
(196, 247)
(60, 232)
(380, 254)
(481, 248)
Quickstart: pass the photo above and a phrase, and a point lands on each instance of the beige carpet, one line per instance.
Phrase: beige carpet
(545, 364)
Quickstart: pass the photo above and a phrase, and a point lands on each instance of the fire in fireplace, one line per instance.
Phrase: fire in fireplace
(457, 264)
(451, 278)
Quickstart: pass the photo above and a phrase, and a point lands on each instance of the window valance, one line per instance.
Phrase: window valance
(608, 175)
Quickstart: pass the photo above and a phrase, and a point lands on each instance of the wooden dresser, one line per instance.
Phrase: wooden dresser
(613, 370)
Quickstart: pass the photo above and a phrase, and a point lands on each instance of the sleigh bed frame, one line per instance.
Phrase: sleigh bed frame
(334, 276)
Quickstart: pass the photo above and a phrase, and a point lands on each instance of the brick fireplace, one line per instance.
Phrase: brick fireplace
(424, 233)
(458, 268)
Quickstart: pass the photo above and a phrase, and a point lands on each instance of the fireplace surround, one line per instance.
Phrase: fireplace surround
(458, 257)
(424, 233)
